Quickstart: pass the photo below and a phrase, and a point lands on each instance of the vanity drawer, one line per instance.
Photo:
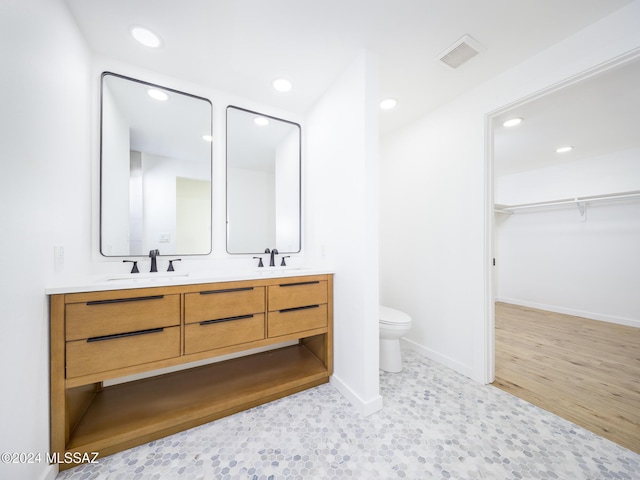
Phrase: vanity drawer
(109, 317)
(301, 294)
(224, 332)
(294, 320)
(224, 303)
(103, 353)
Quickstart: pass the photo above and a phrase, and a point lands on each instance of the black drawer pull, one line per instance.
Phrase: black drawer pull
(122, 300)
(299, 283)
(220, 320)
(229, 290)
(123, 335)
(299, 308)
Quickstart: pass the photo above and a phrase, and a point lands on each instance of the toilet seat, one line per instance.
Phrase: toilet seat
(391, 316)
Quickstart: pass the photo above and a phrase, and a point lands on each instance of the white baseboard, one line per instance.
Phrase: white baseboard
(438, 357)
(51, 472)
(365, 408)
(630, 322)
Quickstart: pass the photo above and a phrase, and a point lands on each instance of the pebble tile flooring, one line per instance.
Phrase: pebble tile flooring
(435, 424)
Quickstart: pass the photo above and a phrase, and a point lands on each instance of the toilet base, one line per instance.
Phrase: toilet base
(390, 355)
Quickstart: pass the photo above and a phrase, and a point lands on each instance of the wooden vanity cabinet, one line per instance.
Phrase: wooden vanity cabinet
(105, 335)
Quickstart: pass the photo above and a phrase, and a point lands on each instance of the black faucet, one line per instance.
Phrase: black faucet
(153, 254)
(272, 262)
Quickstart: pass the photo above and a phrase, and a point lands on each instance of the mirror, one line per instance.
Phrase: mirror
(263, 183)
(155, 177)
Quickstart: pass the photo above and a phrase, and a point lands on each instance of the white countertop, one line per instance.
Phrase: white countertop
(163, 279)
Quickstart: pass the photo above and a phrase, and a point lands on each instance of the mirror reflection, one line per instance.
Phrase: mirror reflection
(155, 169)
(263, 183)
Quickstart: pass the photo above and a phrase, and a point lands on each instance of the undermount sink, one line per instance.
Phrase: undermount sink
(178, 276)
(146, 276)
(280, 269)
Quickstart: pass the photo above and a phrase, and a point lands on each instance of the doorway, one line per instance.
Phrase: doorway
(564, 230)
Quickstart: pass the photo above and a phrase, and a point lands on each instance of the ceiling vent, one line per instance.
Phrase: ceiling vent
(460, 52)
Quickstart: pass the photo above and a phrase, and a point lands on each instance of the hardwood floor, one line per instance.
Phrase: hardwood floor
(585, 371)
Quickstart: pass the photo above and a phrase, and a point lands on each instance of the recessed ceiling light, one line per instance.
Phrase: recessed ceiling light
(512, 122)
(261, 121)
(566, 149)
(282, 85)
(207, 138)
(388, 103)
(146, 37)
(158, 95)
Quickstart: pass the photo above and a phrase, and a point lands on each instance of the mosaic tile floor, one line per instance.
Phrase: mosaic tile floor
(436, 424)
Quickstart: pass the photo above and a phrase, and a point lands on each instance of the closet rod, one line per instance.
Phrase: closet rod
(573, 201)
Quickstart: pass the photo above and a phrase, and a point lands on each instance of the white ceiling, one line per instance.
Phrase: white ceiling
(240, 46)
(597, 116)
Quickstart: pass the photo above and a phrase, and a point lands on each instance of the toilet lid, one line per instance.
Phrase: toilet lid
(391, 316)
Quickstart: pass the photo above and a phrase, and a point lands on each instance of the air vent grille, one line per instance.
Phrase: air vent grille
(460, 52)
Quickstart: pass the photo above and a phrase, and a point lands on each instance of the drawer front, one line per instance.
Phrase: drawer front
(297, 294)
(216, 304)
(108, 317)
(212, 334)
(101, 354)
(283, 322)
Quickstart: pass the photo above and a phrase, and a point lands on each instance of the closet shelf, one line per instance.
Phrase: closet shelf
(581, 202)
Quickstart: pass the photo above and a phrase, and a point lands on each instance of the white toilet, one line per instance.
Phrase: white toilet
(393, 325)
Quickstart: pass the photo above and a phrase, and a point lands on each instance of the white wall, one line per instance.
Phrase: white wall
(550, 259)
(44, 188)
(614, 172)
(436, 206)
(341, 171)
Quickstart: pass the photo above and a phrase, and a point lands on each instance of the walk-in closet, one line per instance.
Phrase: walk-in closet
(567, 250)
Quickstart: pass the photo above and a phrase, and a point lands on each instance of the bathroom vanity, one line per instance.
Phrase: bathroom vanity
(100, 336)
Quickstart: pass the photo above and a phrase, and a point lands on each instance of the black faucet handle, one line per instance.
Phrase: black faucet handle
(260, 264)
(134, 269)
(283, 263)
(170, 269)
